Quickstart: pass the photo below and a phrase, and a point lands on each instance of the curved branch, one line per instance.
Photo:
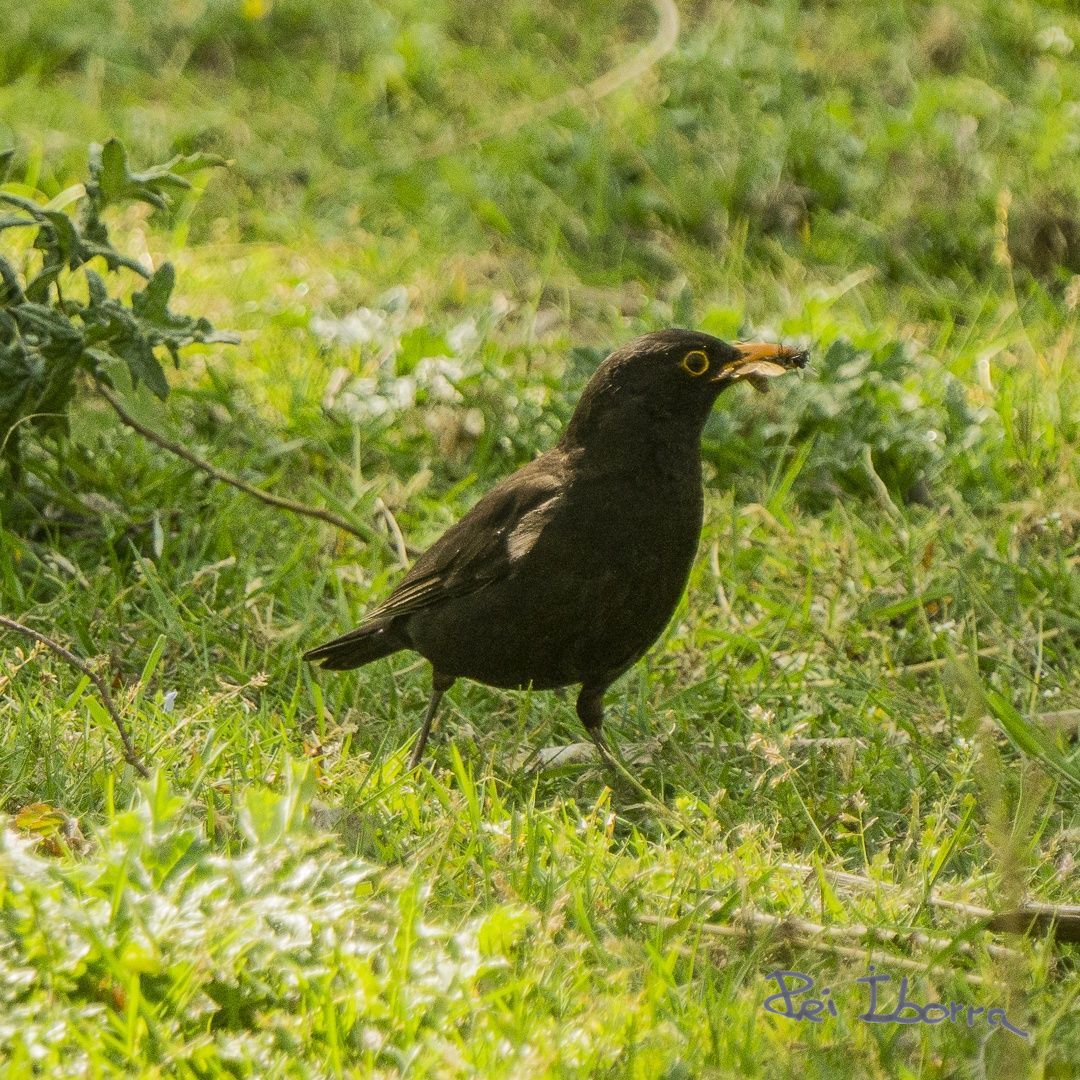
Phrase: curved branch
(130, 754)
(227, 478)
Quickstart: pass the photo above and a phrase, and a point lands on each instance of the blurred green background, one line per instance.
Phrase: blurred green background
(840, 134)
(427, 238)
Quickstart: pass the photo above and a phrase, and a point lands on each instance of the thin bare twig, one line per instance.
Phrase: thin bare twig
(1032, 917)
(881, 935)
(990, 650)
(227, 478)
(714, 566)
(1061, 921)
(748, 926)
(879, 486)
(130, 754)
(401, 549)
(859, 881)
(940, 662)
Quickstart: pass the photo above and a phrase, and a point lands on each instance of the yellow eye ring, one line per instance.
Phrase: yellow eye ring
(695, 363)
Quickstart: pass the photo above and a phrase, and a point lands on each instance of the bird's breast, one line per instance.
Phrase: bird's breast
(640, 535)
(619, 551)
(653, 511)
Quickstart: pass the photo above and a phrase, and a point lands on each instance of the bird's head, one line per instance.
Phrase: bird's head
(671, 378)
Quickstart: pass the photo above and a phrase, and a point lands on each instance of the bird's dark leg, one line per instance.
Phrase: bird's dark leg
(590, 710)
(439, 685)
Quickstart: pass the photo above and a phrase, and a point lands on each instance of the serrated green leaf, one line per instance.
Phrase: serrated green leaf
(157, 178)
(149, 194)
(10, 287)
(114, 259)
(38, 289)
(45, 338)
(218, 337)
(18, 370)
(107, 320)
(98, 363)
(94, 231)
(46, 323)
(191, 163)
(113, 179)
(144, 365)
(37, 387)
(67, 241)
(96, 286)
(112, 171)
(7, 158)
(152, 303)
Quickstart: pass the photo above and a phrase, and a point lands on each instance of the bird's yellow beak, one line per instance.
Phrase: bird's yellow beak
(758, 362)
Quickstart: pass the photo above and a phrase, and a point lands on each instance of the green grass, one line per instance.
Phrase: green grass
(858, 680)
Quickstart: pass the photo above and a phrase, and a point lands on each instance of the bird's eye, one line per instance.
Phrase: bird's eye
(695, 363)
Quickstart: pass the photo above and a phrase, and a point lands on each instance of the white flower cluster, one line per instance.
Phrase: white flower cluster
(379, 330)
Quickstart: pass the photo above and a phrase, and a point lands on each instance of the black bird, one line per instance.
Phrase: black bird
(568, 570)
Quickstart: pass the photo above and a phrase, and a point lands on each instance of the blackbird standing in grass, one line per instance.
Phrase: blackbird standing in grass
(568, 570)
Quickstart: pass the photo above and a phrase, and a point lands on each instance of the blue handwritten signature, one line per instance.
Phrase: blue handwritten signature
(794, 984)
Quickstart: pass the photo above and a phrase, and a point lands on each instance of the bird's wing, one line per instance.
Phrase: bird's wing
(483, 546)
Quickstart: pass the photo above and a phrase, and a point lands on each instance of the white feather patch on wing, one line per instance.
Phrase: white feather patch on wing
(527, 531)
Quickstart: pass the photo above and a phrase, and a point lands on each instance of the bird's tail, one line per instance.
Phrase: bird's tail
(358, 647)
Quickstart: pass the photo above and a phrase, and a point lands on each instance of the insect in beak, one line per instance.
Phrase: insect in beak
(758, 362)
